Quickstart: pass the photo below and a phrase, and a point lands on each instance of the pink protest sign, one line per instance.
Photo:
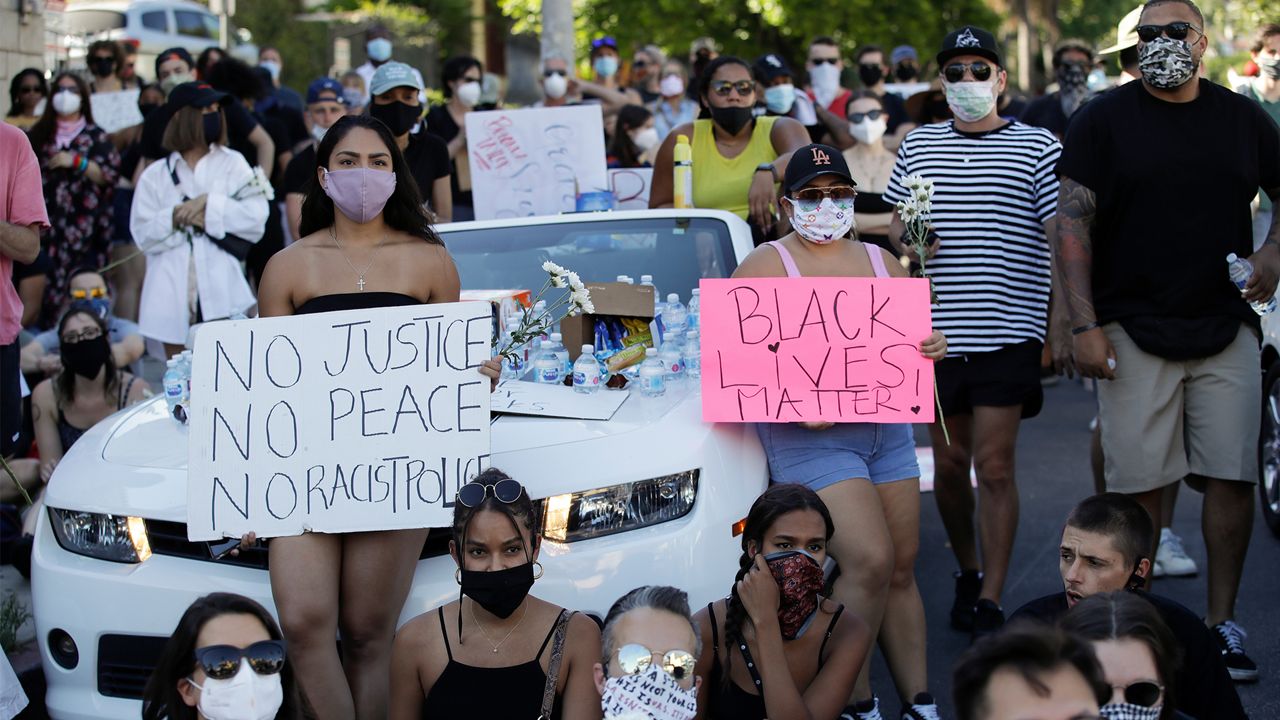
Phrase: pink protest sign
(810, 349)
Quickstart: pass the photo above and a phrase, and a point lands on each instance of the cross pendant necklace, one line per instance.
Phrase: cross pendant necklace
(359, 273)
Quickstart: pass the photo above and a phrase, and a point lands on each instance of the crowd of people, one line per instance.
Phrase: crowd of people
(1052, 239)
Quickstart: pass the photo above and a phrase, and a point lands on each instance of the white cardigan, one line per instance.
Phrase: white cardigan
(220, 282)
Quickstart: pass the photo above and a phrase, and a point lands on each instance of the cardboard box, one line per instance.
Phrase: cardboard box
(612, 298)
(506, 304)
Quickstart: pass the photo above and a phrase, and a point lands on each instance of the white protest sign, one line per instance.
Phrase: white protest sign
(534, 161)
(630, 187)
(517, 397)
(116, 111)
(336, 422)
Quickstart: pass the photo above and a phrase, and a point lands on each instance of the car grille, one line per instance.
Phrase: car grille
(170, 538)
(125, 663)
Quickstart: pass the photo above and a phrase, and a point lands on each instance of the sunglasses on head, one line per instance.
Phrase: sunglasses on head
(505, 491)
(606, 41)
(723, 87)
(1174, 31)
(812, 197)
(954, 72)
(825, 61)
(1143, 692)
(220, 662)
(635, 658)
(868, 115)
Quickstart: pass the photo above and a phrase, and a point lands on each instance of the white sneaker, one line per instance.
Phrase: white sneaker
(850, 713)
(1171, 558)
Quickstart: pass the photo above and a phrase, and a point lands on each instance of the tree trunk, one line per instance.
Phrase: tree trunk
(557, 29)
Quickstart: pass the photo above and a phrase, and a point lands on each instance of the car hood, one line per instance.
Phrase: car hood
(134, 462)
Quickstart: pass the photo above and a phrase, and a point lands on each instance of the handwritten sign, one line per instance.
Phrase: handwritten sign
(815, 349)
(517, 397)
(534, 161)
(336, 422)
(631, 186)
(652, 695)
(116, 111)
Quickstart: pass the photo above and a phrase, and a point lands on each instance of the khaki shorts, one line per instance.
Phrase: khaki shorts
(1165, 419)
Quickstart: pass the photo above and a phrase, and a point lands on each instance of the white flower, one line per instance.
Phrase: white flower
(557, 280)
(581, 299)
(575, 283)
(553, 268)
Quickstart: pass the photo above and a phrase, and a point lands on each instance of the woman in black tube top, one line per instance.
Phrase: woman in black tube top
(870, 165)
(367, 243)
(497, 652)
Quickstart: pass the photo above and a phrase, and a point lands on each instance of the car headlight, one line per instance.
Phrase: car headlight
(604, 511)
(117, 538)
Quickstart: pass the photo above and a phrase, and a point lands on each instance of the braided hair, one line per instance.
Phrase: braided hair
(772, 504)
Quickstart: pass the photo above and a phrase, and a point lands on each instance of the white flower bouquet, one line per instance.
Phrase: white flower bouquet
(915, 213)
(576, 300)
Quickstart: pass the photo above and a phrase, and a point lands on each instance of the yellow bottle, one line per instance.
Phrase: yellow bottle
(682, 181)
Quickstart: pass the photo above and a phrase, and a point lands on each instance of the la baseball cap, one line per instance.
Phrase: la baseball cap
(393, 75)
(813, 161)
(969, 40)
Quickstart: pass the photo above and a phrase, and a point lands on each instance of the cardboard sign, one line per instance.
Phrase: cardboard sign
(816, 349)
(630, 187)
(116, 111)
(534, 161)
(517, 397)
(336, 422)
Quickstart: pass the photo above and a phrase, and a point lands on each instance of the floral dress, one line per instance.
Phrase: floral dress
(81, 222)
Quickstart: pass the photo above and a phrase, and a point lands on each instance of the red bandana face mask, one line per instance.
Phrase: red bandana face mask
(799, 579)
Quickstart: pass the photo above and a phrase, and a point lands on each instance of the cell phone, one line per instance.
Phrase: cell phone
(219, 550)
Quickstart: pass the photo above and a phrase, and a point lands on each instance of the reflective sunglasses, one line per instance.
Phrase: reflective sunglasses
(724, 87)
(954, 72)
(868, 115)
(635, 658)
(824, 61)
(1174, 31)
(505, 491)
(90, 333)
(1142, 692)
(220, 662)
(93, 292)
(606, 41)
(812, 197)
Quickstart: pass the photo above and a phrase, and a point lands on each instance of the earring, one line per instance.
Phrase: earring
(457, 576)
(538, 565)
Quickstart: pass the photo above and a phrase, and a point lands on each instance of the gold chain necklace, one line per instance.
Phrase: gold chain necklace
(359, 273)
(506, 637)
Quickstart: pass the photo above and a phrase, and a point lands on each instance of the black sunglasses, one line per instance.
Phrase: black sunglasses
(639, 63)
(868, 115)
(1142, 692)
(29, 89)
(825, 61)
(506, 491)
(1174, 31)
(220, 662)
(724, 87)
(549, 73)
(954, 72)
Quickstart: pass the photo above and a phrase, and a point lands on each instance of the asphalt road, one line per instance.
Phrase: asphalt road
(1053, 474)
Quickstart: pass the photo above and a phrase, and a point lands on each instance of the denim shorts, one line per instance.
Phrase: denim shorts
(881, 453)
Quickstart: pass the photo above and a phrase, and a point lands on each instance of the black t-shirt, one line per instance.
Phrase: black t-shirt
(440, 123)
(295, 127)
(1046, 112)
(1173, 183)
(428, 158)
(239, 124)
(275, 129)
(302, 168)
(896, 108)
(1202, 686)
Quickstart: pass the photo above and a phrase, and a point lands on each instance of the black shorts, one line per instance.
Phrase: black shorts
(1000, 378)
(10, 399)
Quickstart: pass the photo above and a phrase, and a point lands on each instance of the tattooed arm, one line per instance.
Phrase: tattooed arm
(1073, 252)
(1266, 261)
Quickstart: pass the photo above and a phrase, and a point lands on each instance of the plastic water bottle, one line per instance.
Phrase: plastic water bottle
(674, 315)
(185, 365)
(623, 279)
(657, 296)
(695, 307)
(514, 367)
(682, 173)
(174, 385)
(1240, 271)
(556, 346)
(672, 357)
(547, 368)
(586, 371)
(692, 353)
(652, 374)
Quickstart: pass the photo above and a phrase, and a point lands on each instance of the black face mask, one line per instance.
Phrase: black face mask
(212, 127)
(102, 67)
(731, 119)
(870, 74)
(86, 358)
(1072, 76)
(146, 108)
(906, 73)
(397, 116)
(499, 592)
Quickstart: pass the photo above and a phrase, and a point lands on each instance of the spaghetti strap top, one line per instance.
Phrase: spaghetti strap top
(68, 434)
(874, 254)
(469, 691)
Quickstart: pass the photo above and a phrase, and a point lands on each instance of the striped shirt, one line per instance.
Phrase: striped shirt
(992, 195)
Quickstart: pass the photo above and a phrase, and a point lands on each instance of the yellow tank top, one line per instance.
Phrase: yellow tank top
(721, 183)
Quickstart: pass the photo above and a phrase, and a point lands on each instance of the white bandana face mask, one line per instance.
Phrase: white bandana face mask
(1129, 711)
(649, 695)
(246, 696)
(823, 224)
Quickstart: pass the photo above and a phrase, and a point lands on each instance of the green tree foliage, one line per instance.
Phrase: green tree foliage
(304, 46)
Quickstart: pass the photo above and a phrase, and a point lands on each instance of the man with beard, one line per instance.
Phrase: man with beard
(1072, 60)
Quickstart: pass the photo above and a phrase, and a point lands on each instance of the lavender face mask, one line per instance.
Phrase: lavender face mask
(360, 193)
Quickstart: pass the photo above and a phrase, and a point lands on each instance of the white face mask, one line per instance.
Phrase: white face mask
(555, 86)
(318, 132)
(272, 67)
(247, 696)
(649, 694)
(645, 139)
(66, 102)
(825, 79)
(671, 86)
(869, 132)
(824, 224)
(468, 93)
(971, 101)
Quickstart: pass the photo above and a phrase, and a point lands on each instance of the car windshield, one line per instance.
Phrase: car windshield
(677, 252)
(81, 22)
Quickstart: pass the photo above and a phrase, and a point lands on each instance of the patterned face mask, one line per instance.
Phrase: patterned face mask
(1129, 711)
(1166, 63)
(799, 579)
(824, 224)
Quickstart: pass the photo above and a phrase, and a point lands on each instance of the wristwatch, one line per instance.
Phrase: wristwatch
(769, 168)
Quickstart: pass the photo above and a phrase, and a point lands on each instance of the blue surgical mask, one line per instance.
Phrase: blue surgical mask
(606, 66)
(780, 98)
(379, 49)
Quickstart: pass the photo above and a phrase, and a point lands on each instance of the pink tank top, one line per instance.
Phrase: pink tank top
(874, 254)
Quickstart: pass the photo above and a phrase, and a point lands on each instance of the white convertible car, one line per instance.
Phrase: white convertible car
(649, 496)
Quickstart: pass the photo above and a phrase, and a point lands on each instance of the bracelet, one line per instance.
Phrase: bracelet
(1086, 328)
(768, 166)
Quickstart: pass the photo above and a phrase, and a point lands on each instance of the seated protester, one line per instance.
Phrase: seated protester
(193, 212)
(1104, 546)
(775, 647)
(1136, 651)
(395, 102)
(456, 662)
(226, 659)
(635, 140)
(87, 289)
(781, 98)
(1028, 671)
(326, 104)
(651, 647)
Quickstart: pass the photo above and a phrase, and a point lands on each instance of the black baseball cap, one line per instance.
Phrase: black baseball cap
(174, 53)
(770, 67)
(969, 40)
(812, 161)
(195, 94)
